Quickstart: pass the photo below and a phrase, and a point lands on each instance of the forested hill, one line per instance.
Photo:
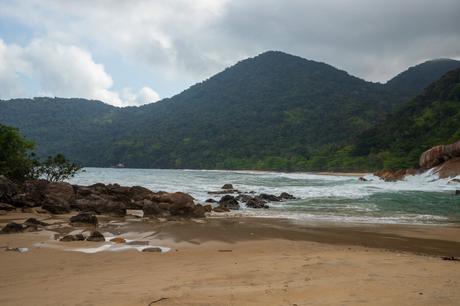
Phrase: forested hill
(430, 119)
(415, 79)
(273, 111)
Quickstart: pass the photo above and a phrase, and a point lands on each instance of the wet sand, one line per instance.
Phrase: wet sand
(238, 261)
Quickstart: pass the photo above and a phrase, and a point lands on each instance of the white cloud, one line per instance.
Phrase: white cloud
(192, 39)
(60, 70)
(144, 96)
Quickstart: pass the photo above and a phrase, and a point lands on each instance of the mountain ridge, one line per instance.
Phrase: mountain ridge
(272, 111)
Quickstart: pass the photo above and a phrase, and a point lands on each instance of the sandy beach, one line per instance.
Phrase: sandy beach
(237, 261)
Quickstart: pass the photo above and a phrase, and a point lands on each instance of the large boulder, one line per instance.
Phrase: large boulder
(450, 168)
(229, 202)
(59, 196)
(439, 154)
(181, 204)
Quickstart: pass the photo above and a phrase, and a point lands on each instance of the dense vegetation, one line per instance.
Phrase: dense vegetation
(430, 119)
(274, 111)
(18, 162)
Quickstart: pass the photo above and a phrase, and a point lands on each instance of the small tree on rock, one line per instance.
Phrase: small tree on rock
(57, 168)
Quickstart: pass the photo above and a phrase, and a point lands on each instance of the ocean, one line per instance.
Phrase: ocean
(421, 199)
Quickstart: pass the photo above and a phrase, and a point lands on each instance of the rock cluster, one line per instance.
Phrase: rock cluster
(113, 199)
(229, 202)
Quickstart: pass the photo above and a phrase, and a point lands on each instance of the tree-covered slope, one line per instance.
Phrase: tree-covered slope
(270, 111)
(430, 119)
(416, 78)
(70, 126)
(273, 111)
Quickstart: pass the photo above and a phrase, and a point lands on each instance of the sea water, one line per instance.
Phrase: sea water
(418, 199)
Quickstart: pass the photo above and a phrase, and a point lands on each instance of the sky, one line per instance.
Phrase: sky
(136, 52)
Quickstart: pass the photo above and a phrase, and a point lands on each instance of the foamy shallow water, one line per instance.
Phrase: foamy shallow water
(416, 200)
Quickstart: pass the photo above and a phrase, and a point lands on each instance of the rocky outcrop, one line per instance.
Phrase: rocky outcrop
(112, 199)
(450, 168)
(439, 154)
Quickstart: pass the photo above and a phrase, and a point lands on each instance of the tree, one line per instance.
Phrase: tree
(57, 168)
(16, 160)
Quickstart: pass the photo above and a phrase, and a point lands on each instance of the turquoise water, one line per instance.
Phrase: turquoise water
(418, 199)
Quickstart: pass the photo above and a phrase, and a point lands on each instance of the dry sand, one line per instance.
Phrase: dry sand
(241, 262)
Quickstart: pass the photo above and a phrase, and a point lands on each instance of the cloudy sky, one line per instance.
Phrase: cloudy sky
(136, 52)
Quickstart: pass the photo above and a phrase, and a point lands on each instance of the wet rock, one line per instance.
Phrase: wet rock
(362, 179)
(69, 238)
(199, 211)
(229, 202)
(137, 242)
(286, 196)
(118, 240)
(256, 203)
(207, 208)
(226, 191)
(84, 218)
(35, 222)
(269, 197)
(391, 176)
(454, 181)
(457, 192)
(152, 250)
(243, 197)
(210, 201)
(95, 237)
(7, 207)
(227, 186)
(220, 209)
(12, 228)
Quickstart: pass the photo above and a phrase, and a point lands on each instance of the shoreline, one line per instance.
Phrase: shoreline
(234, 261)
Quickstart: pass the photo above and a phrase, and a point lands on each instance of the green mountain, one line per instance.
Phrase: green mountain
(273, 111)
(430, 119)
(416, 78)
